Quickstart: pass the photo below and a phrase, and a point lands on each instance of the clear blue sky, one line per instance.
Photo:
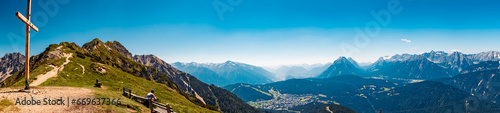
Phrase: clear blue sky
(259, 32)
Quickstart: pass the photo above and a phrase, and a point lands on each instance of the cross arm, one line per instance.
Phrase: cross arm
(26, 21)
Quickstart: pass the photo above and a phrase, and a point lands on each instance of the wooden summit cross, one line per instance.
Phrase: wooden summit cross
(29, 25)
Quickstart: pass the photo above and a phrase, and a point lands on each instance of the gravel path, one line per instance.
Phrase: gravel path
(83, 68)
(52, 73)
(39, 93)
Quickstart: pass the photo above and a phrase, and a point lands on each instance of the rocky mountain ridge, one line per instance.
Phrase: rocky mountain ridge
(456, 61)
(209, 94)
(104, 58)
(10, 63)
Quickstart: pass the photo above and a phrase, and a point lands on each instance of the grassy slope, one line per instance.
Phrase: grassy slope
(114, 80)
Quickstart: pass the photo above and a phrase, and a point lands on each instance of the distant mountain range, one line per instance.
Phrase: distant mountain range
(291, 71)
(431, 65)
(286, 72)
(10, 63)
(403, 67)
(230, 72)
(455, 61)
(418, 68)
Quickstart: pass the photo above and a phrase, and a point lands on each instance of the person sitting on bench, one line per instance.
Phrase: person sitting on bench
(151, 95)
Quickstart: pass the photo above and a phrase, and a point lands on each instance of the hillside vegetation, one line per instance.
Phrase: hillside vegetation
(98, 60)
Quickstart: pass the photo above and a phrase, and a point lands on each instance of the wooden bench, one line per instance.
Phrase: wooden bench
(127, 92)
(160, 108)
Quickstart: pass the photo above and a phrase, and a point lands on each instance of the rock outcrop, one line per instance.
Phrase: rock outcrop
(10, 63)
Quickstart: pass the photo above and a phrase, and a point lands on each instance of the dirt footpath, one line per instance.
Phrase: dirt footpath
(53, 73)
(40, 93)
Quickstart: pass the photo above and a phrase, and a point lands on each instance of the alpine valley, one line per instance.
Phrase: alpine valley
(434, 82)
